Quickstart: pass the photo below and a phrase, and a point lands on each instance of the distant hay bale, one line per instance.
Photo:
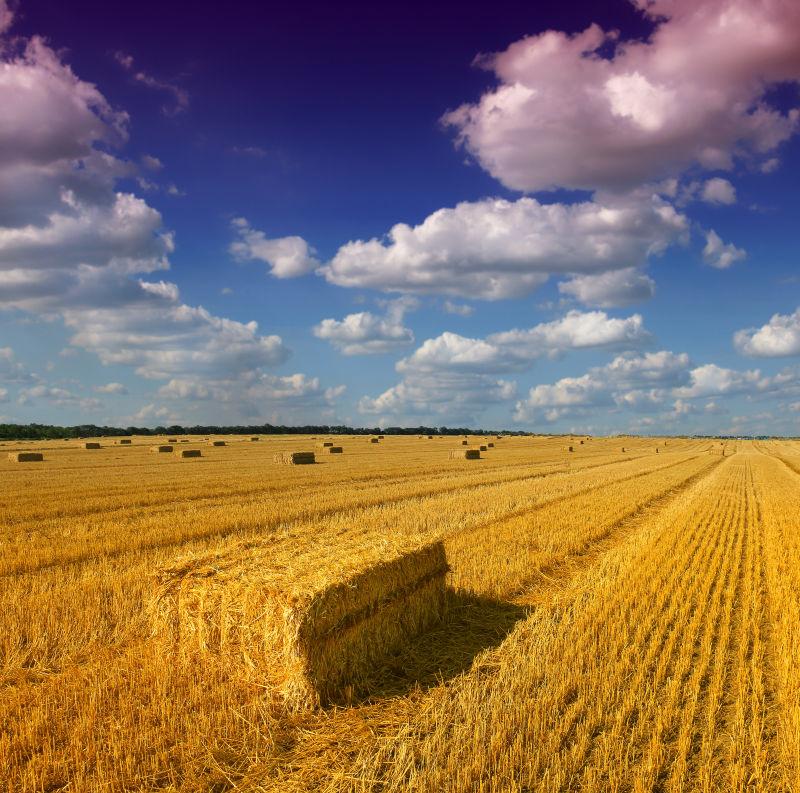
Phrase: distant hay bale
(216, 443)
(623, 448)
(333, 450)
(465, 454)
(125, 442)
(581, 443)
(311, 635)
(172, 440)
(255, 439)
(25, 457)
(464, 443)
(191, 453)
(91, 445)
(161, 449)
(490, 445)
(295, 458)
(482, 448)
(380, 437)
(184, 440)
(656, 449)
(430, 437)
(374, 440)
(569, 448)
(325, 444)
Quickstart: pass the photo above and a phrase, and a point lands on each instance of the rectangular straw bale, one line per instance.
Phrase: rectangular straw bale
(172, 440)
(295, 458)
(380, 437)
(216, 443)
(162, 449)
(374, 440)
(311, 640)
(465, 454)
(125, 442)
(482, 448)
(490, 445)
(569, 448)
(191, 453)
(333, 450)
(91, 445)
(25, 457)
(430, 437)
(464, 443)
(255, 439)
(325, 444)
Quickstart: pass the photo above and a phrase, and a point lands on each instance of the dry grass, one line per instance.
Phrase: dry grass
(611, 622)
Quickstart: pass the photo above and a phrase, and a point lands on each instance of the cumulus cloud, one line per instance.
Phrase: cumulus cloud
(495, 248)
(589, 111)
(650, 383)
(720, 254)
(112, 388)
(74, 248)
(459, 309)
(11, 370)
(609, 290)
(6, 16)
(60, 397)
(516, 350)
(779, 337)
(287, 257)
(364, 333)
(454, 377)
(718, 191)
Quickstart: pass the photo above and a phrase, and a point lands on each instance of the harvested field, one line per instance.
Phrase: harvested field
(391, 620)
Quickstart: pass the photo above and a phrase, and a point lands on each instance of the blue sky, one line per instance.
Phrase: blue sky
(597, 207)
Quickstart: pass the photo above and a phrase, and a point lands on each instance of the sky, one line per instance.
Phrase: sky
(551, 216)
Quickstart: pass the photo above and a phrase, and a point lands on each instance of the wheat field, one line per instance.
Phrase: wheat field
(624, 616)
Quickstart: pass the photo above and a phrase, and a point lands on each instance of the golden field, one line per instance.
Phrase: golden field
(391, 619)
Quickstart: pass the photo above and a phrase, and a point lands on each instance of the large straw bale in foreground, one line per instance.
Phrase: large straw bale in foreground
(295, 458)
(25, 457)
(312, 630)
(465, 454)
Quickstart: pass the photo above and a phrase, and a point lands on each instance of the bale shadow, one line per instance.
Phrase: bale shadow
(470, 625)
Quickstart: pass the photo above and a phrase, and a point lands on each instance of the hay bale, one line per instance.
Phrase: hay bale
(125, 442)
(333, 450)
(216, 443)
(623, 448)
(25, 457)
(184, 440)
(172, 440)
(374, 440)
(190, 453)
(295, 458)
(465, 454)
(380, 437)
(581, 443)
(325, 444)
(490, 445)
(569, 448)
(91, 445)
(464, 443)
(482, 448)
(430, 437)
(255, 439)
(161, 449)
(310, 633)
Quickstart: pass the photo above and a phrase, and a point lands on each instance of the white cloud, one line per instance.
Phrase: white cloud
(364, 333)
(112, 388)
(11, 370)
(494, 248)
(6, 16)
(459, 309)
(516, 350)
(288, 257)
(719, 254)
(779, 337)
(718, 191)
(564, 115)
(60, 397)
(452, 377)
(73, 247)
(612, 289)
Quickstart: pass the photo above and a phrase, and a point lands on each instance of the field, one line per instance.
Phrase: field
(620, 617)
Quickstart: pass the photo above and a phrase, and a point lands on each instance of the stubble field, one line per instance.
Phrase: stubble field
(622, 617)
